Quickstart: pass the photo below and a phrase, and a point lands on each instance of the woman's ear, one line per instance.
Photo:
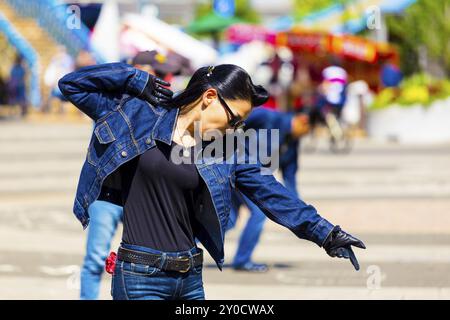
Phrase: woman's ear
(209, 96)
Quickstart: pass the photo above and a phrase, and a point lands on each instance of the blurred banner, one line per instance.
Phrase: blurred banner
(105, 37)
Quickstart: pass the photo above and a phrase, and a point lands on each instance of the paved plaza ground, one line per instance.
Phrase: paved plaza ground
(395, 198)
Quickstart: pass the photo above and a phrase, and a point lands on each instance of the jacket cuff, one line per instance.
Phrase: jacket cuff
(137, 84)
(321, 232)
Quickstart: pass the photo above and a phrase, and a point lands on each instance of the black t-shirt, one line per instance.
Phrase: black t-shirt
(159, 197)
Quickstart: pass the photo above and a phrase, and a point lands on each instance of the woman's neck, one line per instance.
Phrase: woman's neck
(186, 121)
(184, 128)
(185, 124)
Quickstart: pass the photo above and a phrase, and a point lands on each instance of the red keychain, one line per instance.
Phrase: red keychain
(110, 263)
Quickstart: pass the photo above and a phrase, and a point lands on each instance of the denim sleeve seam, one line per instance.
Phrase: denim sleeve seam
(322, 221)
(76, 79)
(326, 237)
(136, 77)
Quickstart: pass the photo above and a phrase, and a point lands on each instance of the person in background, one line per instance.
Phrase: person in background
(291, 127)
(158, 64)
(3, 91)
(61, 64)
(274, 88)
(333, 89)
(331, 96)
(17, 87)
(301, 96)
(106, 212)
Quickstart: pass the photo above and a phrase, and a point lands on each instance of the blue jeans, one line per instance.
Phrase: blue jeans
(142, 282)
(250, 235)
(105, 217)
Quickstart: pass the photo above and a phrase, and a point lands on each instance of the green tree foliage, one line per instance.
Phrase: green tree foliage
(425, 24)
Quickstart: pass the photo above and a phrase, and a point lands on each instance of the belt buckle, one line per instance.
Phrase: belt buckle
(188, 267)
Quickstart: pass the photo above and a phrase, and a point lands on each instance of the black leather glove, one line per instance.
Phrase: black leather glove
(339, 244)
(155, 93)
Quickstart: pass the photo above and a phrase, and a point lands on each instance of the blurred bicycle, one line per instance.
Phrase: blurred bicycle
(326, 122)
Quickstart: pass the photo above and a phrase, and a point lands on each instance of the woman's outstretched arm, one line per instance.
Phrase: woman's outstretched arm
(281, 205)
(285, 208)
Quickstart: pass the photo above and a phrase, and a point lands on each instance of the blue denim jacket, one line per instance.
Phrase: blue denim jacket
(126, 126)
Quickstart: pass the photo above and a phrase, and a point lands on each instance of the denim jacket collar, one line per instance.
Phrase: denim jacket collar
(165, 125)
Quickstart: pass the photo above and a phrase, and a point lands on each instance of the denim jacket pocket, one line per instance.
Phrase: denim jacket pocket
(104, 133)
(100, 141)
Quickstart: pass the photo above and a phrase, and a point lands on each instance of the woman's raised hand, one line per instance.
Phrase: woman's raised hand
(156, 92)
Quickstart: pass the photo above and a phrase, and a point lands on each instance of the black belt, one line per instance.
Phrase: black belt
(180, 264)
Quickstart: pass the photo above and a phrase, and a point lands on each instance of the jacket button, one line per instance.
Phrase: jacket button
(124, 154)
(148, 141)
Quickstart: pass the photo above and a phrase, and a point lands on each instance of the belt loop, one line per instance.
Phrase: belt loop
(192, 253)
(163, 260)
(191, 259)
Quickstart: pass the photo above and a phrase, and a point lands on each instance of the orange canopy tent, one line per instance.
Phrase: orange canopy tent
(361, 57)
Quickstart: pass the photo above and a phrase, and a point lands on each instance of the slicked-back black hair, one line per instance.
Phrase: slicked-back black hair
(231, 81)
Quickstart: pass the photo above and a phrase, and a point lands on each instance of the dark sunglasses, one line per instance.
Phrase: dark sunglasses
(235, 121)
